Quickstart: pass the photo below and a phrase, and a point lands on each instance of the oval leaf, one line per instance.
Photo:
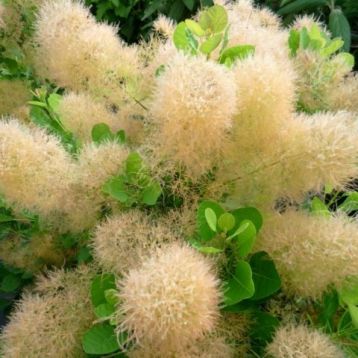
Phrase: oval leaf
(211, 44)
(100, 339)
(240, 286)
(226, 222)
(205, 232)
(265, 276)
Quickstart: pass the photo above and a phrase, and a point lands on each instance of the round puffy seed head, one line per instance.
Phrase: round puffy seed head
(300, 341)
(193, 104)
(171, 300)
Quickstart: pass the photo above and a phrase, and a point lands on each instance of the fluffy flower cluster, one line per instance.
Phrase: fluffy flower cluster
(311, 252)
(170, 301)
(205, 131)
(51, 321)
(299, 341)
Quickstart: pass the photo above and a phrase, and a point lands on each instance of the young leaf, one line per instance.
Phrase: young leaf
(111, 296)
(104, 310)
(206, 249)
(54, 100)
(351, 202)
(248, 213)
(332, 47)
(294, 41)
(151, 194)
(211, 218)
(214, 19)
(347, 58)
(100, 339)
(236, 53)
(134, 163)
(205, 232)
(226, 222)
(100, 284)
(116, 188)
(180, 38)
(210, 44)
(245, 240)
(319, 208)
(240, 286)
(264, 274)
(353, 311)
(121, 136)
(101, 132)
(304, 38)
(194, 27)
(349, 291)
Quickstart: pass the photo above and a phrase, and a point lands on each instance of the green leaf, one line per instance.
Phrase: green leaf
(299, 5)
(117, 189)
(189, 4)
(214, 19)
(37, 104)
(111, 296)
(245, 240)
(101, 132)
(100, 284)
(180, 38)
(294, 41)
(319, 207)
(10, 283)
(226, 222)
(193, 42)
(304, 38)
(151, 194)
(211, 218)
(205, 232)
(265, 276)
(347, 58)
(104, 310)
(351, 202)
(248, 213)
(239, 230)
(134, 164)
(332, 47)
(339, 27)
(194, 27)
(240, 286)
(207, 249)
(121, 136)
(6, 218)
(328, 309)
(210, 44)
(353, 311)
(349, 291)
(84, 255)
(54, 101)
(100, 339)
(236, 53)
(262, 330)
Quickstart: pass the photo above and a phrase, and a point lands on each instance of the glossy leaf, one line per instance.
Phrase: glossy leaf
(240, 286)
(205, 232)
(264, 274)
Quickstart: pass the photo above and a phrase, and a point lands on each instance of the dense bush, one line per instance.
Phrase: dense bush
(173, 198)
